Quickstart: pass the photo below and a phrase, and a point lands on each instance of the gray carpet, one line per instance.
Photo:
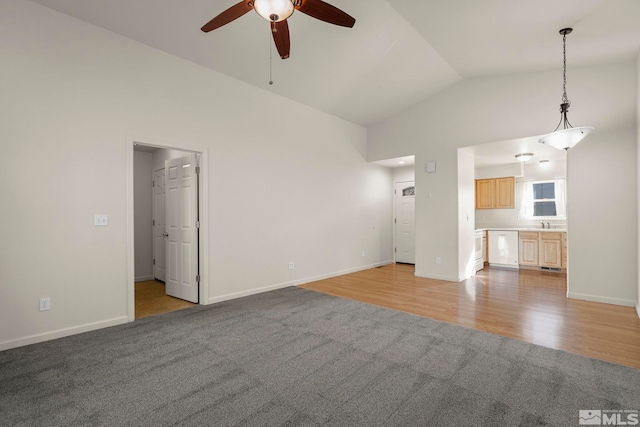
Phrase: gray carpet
(294, 357)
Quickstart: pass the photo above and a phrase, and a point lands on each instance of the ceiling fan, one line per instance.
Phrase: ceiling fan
(277, 12)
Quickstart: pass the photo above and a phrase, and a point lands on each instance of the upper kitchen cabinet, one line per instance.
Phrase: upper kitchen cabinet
(496, 193)
(485, 193)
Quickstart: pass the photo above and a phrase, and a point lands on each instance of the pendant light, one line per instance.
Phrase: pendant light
(568, 136)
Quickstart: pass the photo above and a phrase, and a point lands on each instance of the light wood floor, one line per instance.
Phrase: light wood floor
(151, 300)
(526, 305)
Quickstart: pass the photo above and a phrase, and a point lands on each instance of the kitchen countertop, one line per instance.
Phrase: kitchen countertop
(557, 230)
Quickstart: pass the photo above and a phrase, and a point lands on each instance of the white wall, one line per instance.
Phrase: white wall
(77, 95)
(499, 171)
(482, 110)
(602, 217)
(143, 199)
(405, 173)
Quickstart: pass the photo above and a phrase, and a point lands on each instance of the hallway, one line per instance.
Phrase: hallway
(151, 300)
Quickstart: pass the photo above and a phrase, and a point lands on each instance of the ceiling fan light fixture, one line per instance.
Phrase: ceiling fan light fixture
(568, 136)
(274, 10)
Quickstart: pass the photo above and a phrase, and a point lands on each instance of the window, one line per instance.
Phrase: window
(543, 199)
(409, 191)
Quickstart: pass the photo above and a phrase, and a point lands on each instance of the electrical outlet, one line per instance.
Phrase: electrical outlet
(45, 304)
(438, 260)
(291, 265)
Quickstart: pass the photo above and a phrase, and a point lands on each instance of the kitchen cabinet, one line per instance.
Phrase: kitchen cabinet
(551, 250)
(529, 248)
(496, 193)
(542, 249)
(485, 193)
(505, 193)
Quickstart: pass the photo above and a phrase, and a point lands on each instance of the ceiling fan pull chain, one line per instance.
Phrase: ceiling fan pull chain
(270, 61)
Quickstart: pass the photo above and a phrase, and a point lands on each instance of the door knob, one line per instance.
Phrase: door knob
(165, 234)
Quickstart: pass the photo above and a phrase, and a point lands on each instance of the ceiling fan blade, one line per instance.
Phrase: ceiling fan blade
(325, 12)
(233, 13)
(280, 32)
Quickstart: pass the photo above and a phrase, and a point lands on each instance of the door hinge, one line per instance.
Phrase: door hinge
(197, 224)
(198, 278)
(395, 249)
(154, 261)
(153, 183)
(197, 169)
(395, 220)
(154, 222)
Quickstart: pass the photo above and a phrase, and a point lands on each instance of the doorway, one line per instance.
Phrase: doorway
(186, 243)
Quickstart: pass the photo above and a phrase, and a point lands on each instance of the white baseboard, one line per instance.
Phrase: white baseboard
(436, 277)
(249, 292)
(606, 300)
(638, 309)
(46, 336)
(144, 278)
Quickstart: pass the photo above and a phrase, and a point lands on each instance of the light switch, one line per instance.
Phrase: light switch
(100, 220)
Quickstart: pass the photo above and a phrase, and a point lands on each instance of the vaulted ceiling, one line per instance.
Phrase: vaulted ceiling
(399, 52)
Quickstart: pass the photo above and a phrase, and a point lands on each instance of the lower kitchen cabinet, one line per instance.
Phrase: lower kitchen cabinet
(529, 248)
(551, 250)
(543, 249)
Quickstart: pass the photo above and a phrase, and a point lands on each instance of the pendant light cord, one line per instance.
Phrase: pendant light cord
(565, 100)
(564, 106)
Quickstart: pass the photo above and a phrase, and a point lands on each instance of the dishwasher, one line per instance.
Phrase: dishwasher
(503, 248)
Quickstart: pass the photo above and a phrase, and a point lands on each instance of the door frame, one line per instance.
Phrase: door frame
(395, 242)
(154, 215)
(203, 203)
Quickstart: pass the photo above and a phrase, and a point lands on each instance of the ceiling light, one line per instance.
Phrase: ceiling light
(544, 163)
(568, 136)
(524, 157)
(274, 10)
(401, 162)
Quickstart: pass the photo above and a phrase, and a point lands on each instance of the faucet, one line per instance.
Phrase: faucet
(542, 222)
(548, 226)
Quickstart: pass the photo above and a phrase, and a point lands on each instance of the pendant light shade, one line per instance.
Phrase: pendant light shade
(568, 136)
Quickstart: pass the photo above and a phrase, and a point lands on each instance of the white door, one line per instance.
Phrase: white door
(158, 222)
(405, 196)
(181, 229)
